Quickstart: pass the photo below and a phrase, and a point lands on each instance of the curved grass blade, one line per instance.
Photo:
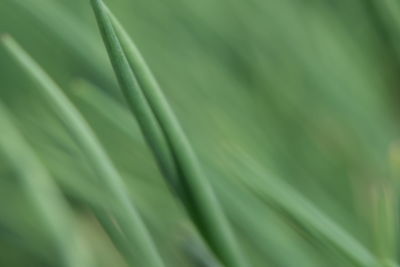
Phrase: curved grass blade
(44, 193)
(126, 214)
(137, 102)
(146, 100)
(280, 195)
(80, 186)
(96, 99)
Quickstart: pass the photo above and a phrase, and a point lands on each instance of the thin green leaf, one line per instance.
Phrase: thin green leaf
(147, 101)
(267, 240)
(286, 198)
(126, 215)
(137, 102)
(44, 193)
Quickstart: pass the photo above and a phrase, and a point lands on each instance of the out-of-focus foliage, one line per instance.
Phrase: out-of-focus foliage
(291, 107)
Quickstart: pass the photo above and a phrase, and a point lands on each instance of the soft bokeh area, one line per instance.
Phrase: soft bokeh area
(292, 107)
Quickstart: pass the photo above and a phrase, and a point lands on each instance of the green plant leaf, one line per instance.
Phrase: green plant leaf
(125, 213)
(50, 203)
(150, 107)
(283, 197)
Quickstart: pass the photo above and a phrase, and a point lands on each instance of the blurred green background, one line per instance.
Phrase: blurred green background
(291, 106)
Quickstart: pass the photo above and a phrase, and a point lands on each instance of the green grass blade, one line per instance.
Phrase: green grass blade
(282, 196)
(137, 102)
(127, 216)
(200, 199)
(94, 98)
(44, 193)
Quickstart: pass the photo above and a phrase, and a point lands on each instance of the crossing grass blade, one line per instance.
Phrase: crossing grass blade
(93, 97)
(150, 106)
(125, 213)
(50, 203)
